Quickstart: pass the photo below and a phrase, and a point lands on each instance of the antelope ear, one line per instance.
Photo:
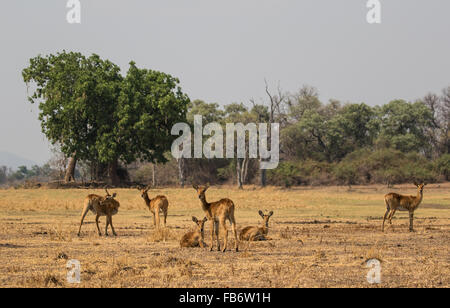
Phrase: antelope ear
(205, 219)
(195, 186)
(261, 213)
(271, 213)
(424, 184)
(415, 183)
(114, 195)
(194, 219)
(207, 186)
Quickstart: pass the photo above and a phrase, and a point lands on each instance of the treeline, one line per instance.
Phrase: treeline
(22, 174)
(329, 143)
(117, 128)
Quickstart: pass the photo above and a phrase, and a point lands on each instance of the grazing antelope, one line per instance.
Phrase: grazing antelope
(195, 238)
(399, 202)
(155, 205)
(217, 213)
(101, 206)
(252, 233)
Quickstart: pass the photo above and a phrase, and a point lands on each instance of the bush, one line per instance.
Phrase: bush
(386, 166)
(347, 173)
(307, 172)
(442, 166)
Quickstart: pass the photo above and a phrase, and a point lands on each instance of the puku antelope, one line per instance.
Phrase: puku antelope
(101, 206)
(253, 233)
(155, 205)
(399, 202)
(217, 213)
(195, 238)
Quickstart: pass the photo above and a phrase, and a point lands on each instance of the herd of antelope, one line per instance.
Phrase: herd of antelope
(217, 213)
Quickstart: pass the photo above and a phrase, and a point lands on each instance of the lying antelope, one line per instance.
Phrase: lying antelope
(155, 205)
(253, 233)
(217, 213)
(195, 238)
(101, 206)
(399, 202)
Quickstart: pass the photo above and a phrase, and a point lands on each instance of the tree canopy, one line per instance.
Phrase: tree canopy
(95, 114)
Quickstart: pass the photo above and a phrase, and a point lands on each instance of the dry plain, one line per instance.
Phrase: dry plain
(321, 237)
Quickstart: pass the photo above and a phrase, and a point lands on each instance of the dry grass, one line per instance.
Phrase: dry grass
(321, 237)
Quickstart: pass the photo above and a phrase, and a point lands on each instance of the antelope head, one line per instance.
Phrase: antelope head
(144, 191)
(265, 217)
(200, 223)
(420, 186)
(108, 195)
(201, 190)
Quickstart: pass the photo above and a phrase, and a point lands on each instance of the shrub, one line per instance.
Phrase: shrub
(442, 166)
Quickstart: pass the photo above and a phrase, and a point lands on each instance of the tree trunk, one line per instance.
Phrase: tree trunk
(70, 171)
(112, 173)
(181, 171)
(262, 175)
(239, 172)
(153, 175)
(245, 169)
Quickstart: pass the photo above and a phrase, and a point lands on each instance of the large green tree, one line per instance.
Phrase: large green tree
(76, 97)
(150, 103)
(95, 114)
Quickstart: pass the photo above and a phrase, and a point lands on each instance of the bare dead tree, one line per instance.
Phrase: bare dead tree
(277, 113)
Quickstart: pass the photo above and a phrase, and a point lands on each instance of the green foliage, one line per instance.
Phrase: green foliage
(209, 111)
(93, 112)
(309, 172)
(346, 173)
(387, 166)
(442, 166)
(149, 105)
(363, 166)
(23, 173)
(404, 125)
(76, 96)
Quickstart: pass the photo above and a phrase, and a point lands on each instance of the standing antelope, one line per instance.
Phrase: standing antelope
(195, 238)
(101, 206)
(218, 212)
(399, 202)
(155, 205)
(252, 233)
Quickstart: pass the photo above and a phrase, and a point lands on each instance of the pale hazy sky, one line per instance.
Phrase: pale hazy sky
(223, 50)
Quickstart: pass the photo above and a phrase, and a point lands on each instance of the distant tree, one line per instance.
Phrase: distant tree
(307, 98)
(238, 113)
(3, 174)
(321, 133)
(404, 125)
(277, 113)
(210, 112)
(444, 118)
